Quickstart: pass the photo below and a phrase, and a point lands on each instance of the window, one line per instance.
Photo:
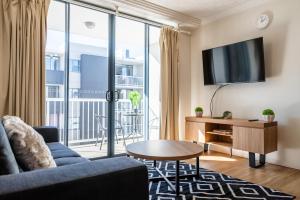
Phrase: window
(124, 70)
(154, 80)
(52, 62)
(74, 65)
(53, 91)
(55, 57)
(85, 75)
(74, 92)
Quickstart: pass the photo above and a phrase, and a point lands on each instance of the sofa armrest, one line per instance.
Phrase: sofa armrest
(49, 133)
(110, 179)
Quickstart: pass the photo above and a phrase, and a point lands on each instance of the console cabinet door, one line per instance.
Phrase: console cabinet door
(195, 131)
(248, 139)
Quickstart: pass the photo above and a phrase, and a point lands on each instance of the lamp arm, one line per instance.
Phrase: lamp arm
(211, 105)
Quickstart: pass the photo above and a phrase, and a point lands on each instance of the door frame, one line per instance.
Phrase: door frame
(111, 86)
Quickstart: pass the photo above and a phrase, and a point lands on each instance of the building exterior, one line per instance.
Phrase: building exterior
(88, 83)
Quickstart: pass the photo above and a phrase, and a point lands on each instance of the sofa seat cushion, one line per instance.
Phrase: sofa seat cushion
(70, 160)
(59, 150)
(53, 146)
(8, 163)
(63, 155)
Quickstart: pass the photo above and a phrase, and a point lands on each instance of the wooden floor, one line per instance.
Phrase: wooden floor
(273, 176)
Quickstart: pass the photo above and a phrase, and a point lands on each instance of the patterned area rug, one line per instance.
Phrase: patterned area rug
(210, 185)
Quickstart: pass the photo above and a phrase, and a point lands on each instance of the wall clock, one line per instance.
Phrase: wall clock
(263, 21)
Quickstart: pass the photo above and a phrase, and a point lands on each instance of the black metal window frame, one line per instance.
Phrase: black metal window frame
(111, 70)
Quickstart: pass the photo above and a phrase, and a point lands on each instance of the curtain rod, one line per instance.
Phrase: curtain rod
(121, 14)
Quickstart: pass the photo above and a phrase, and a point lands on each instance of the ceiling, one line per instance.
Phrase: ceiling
(199, 8)
(188, 13)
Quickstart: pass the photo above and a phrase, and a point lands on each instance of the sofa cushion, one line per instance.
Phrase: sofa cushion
(8, 163)
(59, 150)
(29, 146)
(70, 160)
(54, 146)
(63, 155)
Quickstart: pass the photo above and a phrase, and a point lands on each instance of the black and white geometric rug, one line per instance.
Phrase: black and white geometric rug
(210, 185)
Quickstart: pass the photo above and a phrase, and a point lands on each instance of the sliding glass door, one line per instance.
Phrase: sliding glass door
(101, 79)
(129, 82)
(154, 81)
(88, 81)
(55, 68)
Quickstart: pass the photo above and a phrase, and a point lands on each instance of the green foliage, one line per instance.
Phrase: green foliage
(268, 112)
(135, 98)
(226, 113)
(198, 109)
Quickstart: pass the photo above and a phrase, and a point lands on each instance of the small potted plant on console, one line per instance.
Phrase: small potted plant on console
(199, 111)
(227, 115)
(268, 114)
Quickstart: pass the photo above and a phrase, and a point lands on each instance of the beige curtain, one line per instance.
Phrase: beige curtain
(22, 52)
(169, 84)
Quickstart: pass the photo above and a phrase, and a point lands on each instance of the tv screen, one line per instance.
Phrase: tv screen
(242, 62)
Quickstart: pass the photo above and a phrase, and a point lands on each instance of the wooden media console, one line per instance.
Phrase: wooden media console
(255, 137)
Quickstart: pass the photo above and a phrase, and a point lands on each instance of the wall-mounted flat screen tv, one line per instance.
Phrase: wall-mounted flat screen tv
(241, 62)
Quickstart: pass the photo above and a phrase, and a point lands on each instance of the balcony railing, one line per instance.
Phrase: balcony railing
(82, 127)
(122, 80)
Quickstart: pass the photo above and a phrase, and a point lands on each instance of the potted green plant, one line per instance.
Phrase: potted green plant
(268, 114)
(135, 99)
(199, 111)
(227, 115)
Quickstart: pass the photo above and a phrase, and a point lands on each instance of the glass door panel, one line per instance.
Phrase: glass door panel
(82, 65)
(55, 68)
(129, 83)
(154, 81)
(88, 81)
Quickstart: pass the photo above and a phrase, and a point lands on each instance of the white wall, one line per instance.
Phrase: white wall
(281, 90)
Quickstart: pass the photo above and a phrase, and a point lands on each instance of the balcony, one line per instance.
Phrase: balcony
(83, 128)
(129, 81)
(55, 77)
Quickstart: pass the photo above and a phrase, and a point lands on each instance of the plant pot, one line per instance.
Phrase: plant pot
(199, 114)
(269, 118)
(136, 110)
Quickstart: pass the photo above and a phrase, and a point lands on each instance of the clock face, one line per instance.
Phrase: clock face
(262, 21)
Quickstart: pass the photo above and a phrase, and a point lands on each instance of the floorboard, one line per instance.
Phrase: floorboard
(273, 176)
(277, 177)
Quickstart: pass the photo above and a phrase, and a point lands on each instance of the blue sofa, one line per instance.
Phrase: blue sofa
(119, 178)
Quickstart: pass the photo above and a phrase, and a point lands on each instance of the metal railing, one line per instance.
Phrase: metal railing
(82, 121)
(122, 80)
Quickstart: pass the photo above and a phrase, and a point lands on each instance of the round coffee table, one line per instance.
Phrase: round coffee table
(166, 150)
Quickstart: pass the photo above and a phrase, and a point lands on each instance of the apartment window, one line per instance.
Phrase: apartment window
(53, 91)
(124, 70)
(52, 62)
(74, 92)
(74, 65)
